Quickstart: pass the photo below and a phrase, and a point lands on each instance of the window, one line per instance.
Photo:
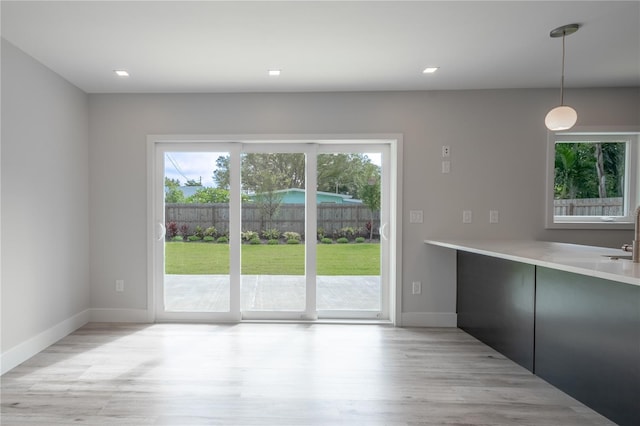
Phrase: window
(592, 179)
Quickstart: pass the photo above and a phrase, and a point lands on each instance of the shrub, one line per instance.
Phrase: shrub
(290, 235)
(183, 230)
(194, 238)
(293, 241)
(177, 238)
(271, 234)
(255, 241)
(222, 240)
(326, 241)
(273, 242)
(198, 232)
(210, 231)
(346, 232)
(321, 233)
(208, 238)
(249, 235)
(360, 240)
(172, 229)
(342, 240)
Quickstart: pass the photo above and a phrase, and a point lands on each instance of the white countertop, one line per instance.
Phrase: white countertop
(585, 260)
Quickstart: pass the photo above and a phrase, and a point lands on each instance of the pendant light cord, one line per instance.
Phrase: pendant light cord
(562, 78)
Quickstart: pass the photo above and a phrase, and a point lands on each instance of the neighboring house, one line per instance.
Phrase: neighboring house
(296, 196)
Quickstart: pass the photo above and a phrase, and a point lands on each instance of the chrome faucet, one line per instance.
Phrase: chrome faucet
(634, 248)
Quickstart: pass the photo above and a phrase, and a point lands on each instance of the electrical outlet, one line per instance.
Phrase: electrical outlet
(417, 287)
(415, 216)
(446, 151)
(119, 285)
(493, 216)
(467, 216)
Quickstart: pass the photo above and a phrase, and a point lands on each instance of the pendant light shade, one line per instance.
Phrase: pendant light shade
(562, 117)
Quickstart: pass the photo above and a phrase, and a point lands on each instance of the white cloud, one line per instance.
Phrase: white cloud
(191, 166)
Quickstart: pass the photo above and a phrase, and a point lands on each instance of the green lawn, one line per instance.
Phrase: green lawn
(283, 259)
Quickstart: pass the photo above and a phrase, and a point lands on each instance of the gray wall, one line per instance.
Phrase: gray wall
(498, 149)
(74, 160)
(45, 199)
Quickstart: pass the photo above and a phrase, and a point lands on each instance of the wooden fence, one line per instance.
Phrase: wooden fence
(290, 217)
(589, 207)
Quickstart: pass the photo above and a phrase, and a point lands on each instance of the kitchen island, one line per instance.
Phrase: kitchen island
(568, 313)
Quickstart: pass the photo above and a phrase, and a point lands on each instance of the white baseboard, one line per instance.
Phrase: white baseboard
(429, 319)
(119, 315)
(25, 350)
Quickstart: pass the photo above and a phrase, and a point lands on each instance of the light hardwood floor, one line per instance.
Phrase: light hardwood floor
(279, 374)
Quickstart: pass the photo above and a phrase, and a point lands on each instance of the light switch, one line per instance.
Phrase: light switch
(446, 166)
(467, 216)
(493, 216)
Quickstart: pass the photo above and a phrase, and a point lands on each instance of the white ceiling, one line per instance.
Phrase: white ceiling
(213, 46)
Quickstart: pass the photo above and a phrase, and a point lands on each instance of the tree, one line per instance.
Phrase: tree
(342, 173)
(370, 196)
(221, 173)
(268, 202)
(209, 195)
(174, 195)
(572, 170)
(285, 171)
(171, 183)
(589, 170)
(614, 155)
(269, 172)
(192, 182)
(602, 177)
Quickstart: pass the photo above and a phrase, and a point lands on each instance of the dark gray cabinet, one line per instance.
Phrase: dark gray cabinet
(588, 341)
(579, 333)
(495, 304)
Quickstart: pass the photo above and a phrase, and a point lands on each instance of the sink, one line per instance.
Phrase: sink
(617, 257)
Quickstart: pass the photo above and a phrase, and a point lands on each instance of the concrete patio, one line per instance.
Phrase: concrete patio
(210, 293)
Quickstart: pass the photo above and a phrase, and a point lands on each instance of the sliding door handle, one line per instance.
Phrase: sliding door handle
(162, 231)
(383, 233)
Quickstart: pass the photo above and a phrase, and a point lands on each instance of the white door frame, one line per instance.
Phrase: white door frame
(155, 196)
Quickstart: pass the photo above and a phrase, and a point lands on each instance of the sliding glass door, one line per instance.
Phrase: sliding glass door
(196, 269)
(268, 230)
(274, 244)
(195, 251)
(352, 214)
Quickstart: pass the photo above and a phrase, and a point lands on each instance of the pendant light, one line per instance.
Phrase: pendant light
(562, 117)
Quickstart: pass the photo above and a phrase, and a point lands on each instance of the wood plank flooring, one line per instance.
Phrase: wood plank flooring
(279, 374)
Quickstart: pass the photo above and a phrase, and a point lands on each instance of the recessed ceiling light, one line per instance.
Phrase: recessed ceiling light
(121, 73)
(430, 70)
(274, 73)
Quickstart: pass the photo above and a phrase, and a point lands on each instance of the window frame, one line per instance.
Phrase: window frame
(632, 178)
